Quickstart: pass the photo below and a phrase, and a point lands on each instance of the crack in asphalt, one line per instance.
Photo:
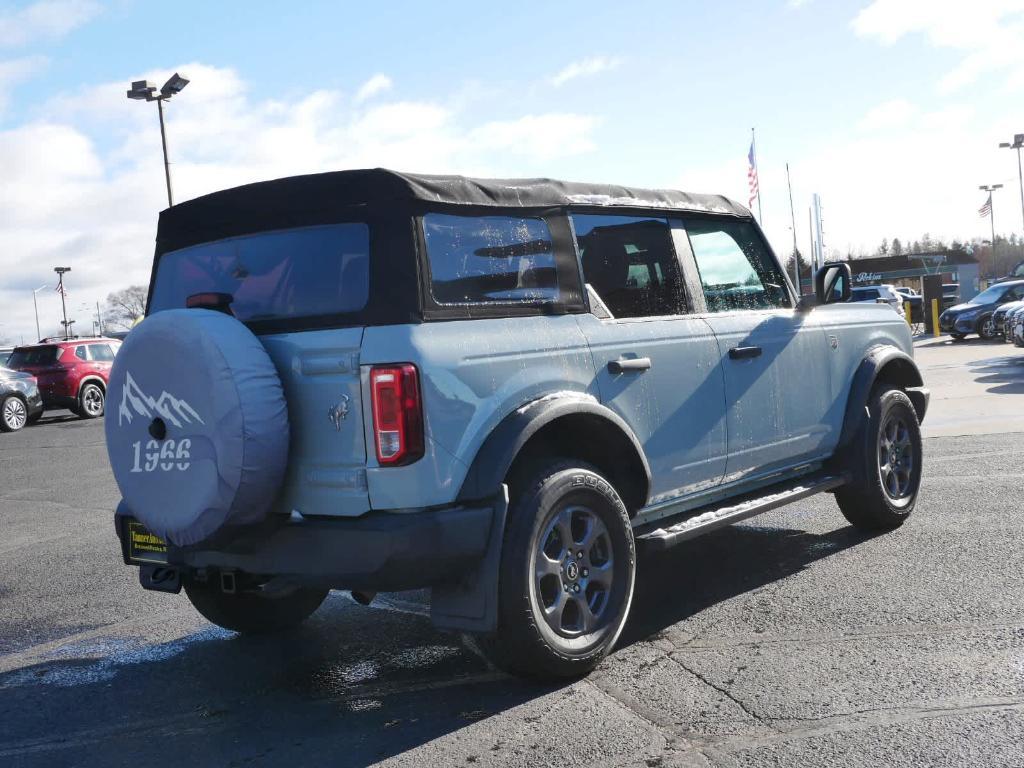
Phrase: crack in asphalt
(859, 720)
(725, 692)
(865, 633)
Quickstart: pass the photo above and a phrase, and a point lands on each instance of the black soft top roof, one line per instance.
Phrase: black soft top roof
(298, 200)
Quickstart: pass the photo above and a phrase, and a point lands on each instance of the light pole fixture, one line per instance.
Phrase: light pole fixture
(63, 294)
(35, 306)
(1018, 144)
(990, 188)
(144, 90)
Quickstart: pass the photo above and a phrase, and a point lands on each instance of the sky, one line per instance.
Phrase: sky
(891, 110)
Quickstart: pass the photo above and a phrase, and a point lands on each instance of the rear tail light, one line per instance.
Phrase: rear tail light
(397, 413)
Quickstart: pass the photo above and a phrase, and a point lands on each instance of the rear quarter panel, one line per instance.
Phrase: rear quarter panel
(473, 373)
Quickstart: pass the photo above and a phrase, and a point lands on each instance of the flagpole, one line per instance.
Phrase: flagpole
(792, 222)
(753, 145)
(992, 220)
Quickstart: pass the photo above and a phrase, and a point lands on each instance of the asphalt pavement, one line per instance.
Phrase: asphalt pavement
(788, 641)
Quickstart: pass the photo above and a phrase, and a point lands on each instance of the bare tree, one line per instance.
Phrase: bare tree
(125, 307)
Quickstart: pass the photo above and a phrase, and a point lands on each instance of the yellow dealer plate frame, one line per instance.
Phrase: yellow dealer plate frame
(143, 546)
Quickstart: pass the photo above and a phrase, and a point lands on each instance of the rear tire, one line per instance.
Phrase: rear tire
(986, 328)
(886, 464)
(90, 401)
(568, 567)
(253, 612)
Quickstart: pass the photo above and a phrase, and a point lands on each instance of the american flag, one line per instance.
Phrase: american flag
(752, 174)
(986, 209)
(61, 289)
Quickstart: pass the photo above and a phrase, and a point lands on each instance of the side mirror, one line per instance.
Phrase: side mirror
(833, 283)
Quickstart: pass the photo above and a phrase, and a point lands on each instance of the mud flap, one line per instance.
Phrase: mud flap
(471, 605)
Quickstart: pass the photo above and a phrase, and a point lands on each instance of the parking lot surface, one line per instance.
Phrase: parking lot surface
(788, 641)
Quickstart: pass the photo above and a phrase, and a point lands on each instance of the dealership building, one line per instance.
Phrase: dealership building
(908, 269)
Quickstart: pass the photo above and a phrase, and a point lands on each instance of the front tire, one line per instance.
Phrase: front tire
(568, 567)
(90, 401)
(253, 612)
(886, 458)
(13, 413)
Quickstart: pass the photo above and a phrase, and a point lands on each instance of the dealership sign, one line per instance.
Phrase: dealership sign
(867, 277)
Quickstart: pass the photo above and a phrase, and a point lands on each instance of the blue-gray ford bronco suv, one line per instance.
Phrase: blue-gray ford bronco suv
(500, 390)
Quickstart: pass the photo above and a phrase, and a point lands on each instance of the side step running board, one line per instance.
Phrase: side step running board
(697, 522)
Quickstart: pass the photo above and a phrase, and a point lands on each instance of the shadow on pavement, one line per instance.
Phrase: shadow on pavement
(351, 687)
(1005, 374)
(675, 585)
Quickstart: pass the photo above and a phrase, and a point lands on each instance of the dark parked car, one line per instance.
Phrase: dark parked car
(975, 316)
(1001, 315)
(20, 403)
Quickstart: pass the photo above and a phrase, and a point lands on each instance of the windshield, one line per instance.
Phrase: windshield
(32, 356)
(308, 272)
(989, 295)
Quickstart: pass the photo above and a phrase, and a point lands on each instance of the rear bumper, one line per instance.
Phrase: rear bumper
(379, 552)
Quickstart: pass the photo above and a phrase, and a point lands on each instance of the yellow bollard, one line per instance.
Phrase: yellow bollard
(906, 308)
(935, 316)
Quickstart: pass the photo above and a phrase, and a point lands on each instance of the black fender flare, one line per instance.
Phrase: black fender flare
(499, 450)
(882, 362)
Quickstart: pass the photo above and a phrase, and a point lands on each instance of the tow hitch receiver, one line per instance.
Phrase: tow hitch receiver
(160, 578)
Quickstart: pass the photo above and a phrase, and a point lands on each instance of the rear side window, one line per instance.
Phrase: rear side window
(32, 356)
(285, 274)
(630, 264)
(80, 353)
(737, 270)
(101, 353)
(490, 259)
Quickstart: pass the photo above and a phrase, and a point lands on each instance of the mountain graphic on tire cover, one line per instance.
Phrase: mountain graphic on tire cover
(167, 406)
(219, 457)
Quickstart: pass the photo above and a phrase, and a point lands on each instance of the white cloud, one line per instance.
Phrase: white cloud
(903, 179)
(887, 115)
(540, 136)
(987, 32)
(93, 203)
(44, 20)
(375, 85)
(583, 68)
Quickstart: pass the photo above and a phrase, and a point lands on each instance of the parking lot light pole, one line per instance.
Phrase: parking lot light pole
(35, 306)
(1018, 144)
(143, 90)
(63, 294)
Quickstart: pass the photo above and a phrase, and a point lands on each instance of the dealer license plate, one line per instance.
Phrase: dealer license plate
(143, 546)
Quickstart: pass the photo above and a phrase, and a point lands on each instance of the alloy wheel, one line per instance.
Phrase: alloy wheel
(15, 414)
(574, 571)
(895, 458)
(92, 400)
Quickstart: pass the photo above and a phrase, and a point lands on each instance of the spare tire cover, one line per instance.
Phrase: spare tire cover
(196, 424)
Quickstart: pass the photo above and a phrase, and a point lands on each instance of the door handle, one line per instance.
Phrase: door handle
(744, 353)
(624, 366)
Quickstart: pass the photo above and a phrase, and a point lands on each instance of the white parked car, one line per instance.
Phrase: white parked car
(886, 293)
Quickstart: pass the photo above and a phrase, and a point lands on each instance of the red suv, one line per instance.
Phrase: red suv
(72, 373)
